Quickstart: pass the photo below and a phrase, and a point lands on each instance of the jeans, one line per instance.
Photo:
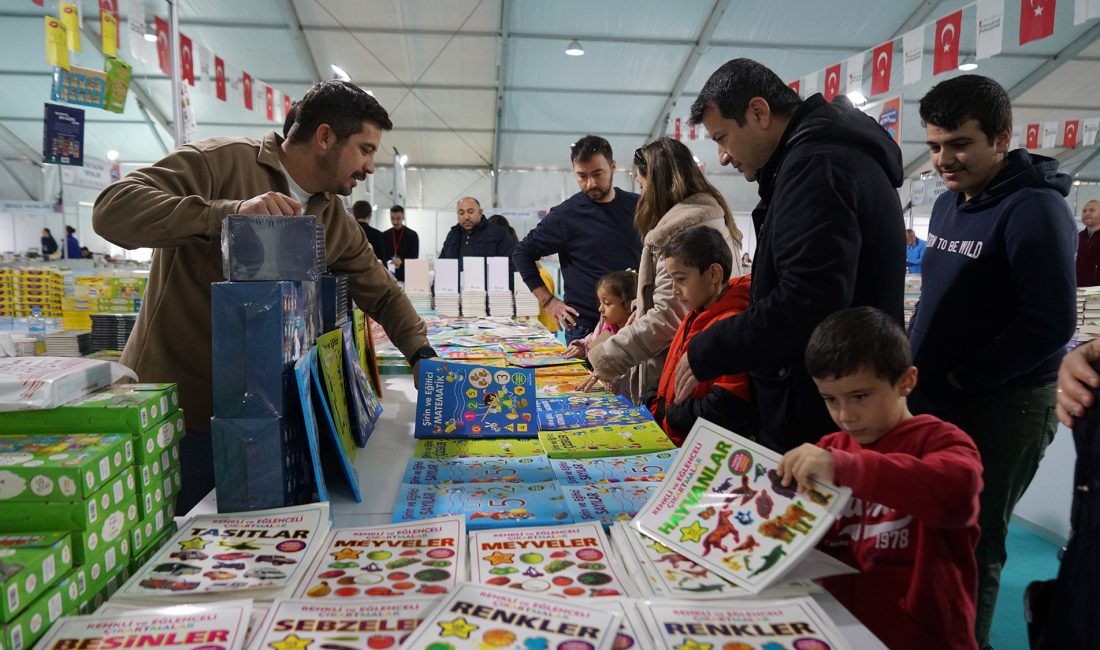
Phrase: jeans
(578, 331)
(196, 470)
(1011, 428)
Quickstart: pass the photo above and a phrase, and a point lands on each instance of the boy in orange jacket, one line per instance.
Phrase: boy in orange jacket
(699, 262)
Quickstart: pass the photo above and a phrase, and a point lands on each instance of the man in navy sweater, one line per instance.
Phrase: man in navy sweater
(997, 302)
(592, 232)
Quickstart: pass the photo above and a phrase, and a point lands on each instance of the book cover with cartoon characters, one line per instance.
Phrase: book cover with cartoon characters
(608, 440)
(458, 400)
(422, 559)
(723, 506)
(541, 359)
(606, 502)
(569, 561)
(485, 505)
(476, 617)
(445, 471)
(577, 402)
(591, 417)
(790, 623)
(348, 624)
(473, 448)
(648, 468)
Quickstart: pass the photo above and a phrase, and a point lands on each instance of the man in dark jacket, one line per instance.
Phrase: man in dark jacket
(997, 302)
(400, 243)
(830, 235)
(362, 211)
(474, 236)
(1088, 249)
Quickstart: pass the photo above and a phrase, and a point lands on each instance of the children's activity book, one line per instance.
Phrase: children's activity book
(346, 624)
(583, 401)
(608, 440)
(529, 469)
(485, 505)
(591, 417)
(209, 626)
(459, 400)
(447, 449)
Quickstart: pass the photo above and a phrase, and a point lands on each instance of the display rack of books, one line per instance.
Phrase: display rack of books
(1088, 313)
(21, 290)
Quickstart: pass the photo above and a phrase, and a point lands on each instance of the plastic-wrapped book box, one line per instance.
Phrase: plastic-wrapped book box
(45, 382)
(263, 248)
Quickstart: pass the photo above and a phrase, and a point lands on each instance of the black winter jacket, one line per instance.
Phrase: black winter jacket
(485, 240)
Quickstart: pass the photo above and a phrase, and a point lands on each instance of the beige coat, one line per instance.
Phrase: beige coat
(641, 346)
(177, 208)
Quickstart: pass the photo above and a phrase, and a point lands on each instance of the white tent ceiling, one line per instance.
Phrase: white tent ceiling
(442, 68)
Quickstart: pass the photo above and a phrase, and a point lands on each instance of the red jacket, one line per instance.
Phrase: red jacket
(911, 529)
(725, 400)
(1088, 260)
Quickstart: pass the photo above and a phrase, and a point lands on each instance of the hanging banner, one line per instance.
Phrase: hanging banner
(203, 75)
(95, 174)
(991, 24)
(1069, 134)
(1083, 10)
(945, 57)
(57, 47)
(63, 135)
(1088, 131)
(234, 86)
(219, 77)
(163, 39)
(1032, 139)
(1014, 141)
(246, 90)
(912, 46)
(187, 115)
(70, 19)
(108, 34)
(889, 117)
(796, 86)
(187, 63)
(287, 103)
(111, 7)
(832, 82)
(855, 74)
(27, 207)
(1050, 134)
(135, 21)
(880, 71)
(259, 96)
(809, 84)
(1036, 20)
(269, 103)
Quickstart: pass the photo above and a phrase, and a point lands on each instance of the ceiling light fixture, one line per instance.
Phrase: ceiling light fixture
(857, 98)
(968, 64)
(574, 48)
(112, 155)
(338, 73)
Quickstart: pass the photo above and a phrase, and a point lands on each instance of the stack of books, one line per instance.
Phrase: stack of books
(111, 331)
(447, 300)
(526, 302)
(474, 296)
(1088, 313)
(68, 343)
(418, 284)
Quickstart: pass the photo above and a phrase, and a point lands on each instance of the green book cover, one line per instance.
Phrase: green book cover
(477, 448)
(36, 619)
(608, 440)
(29, 564)
(330, 353)
(53, 467)
(114, 409)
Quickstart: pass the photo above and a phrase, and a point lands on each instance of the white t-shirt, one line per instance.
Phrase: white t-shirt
(295, 189)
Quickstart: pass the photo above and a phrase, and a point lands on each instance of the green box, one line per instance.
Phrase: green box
(153, 545)
(25, 630)
(151, 527)
(121, 408)
(103, 563)
(163, 436)
(71, 515)
(51, 467)
(29, 564)
(89, 602)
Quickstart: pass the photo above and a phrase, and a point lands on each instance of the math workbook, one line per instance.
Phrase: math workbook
(458, 400)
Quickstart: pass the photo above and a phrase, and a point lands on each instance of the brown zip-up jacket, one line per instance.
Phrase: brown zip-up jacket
(176, 207)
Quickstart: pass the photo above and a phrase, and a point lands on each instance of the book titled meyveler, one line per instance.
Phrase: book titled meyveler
(609, 440)
(723, 505)
(458, 400)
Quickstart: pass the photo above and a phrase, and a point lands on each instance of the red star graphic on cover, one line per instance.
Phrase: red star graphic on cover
(832, 82)
(287, 102)
(111, 7)
(162, 45)
(1032, 141)
(219, 78)
(269, 97)
(1069, 134)
(247, 82)
(946, 55)
(883, 62)
(187, 62)
(1036, 20)
(796, 86)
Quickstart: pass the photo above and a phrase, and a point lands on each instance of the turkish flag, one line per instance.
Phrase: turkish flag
(832, 82)
(287, 103)
(247, 82)
(219, 77)
(187, 61)
(796, 86)
(1032, 141)
(883, 61)
(1069, 134)
(111, 7)
(162, 45)
(1036, 20)
(269, 101)
(946, 55)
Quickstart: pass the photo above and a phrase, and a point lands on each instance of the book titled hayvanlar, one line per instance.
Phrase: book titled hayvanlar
(459, 400)
(260, 555)
(476, 617)
(208, 626)
(299, 624)
(723, 506)
(485, 505)
(610, 440)
(591, 417)
(530, 469)
(421, 559)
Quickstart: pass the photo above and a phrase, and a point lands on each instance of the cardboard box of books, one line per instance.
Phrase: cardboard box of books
(115, 409)
(29, 564)
(40, 468)
(25, 629)
(73, 515)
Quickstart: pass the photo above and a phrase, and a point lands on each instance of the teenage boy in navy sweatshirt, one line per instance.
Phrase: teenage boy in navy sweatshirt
(997, 302)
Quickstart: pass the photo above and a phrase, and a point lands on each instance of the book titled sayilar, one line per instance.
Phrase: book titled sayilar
(458, 400)
(723, 506)
(591, 417)
(348, 624)
(791, 623)
(260, 555)
(608, 440)
(485, 505)
(643, 468)
(445, 471)
(420, 559)
(476, 617)
(223, 627)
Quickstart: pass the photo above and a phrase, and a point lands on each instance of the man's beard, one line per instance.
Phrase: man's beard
(328, 166)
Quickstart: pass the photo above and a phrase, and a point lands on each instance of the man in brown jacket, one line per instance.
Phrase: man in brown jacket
(177, 206)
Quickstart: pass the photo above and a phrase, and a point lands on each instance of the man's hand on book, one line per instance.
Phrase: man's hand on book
(804, 463)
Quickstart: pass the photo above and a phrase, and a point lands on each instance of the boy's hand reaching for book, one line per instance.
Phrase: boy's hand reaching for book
(576, 350)
(803, 464)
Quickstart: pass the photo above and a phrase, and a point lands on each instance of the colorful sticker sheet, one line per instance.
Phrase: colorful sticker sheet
(591, 417)
(477, 617)
(610, 440)
(572, 561)
(648, 468)
(447, 449)
(223, 626)
(474, 401)
(349, 624)
(424, 559)
(797, 623)
(529, 469)
(485, 505)
(723, 506)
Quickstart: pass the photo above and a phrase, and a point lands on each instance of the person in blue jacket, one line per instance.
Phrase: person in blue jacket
(997, 303)
(914, 251)
(71, 248)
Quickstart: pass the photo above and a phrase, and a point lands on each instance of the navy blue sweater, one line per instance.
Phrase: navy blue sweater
(591, 239)
(997, 302)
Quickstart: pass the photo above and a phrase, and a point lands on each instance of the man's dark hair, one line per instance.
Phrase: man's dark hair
(70, 230)
(968, 97)
(501, 221)
(291, 115)
(731, 87)
(341, 105)
(699, 247)
(590, 145)
(362, 209)
(853, 339)
(397, 208)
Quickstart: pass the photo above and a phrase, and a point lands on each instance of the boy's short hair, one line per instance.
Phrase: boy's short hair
(968, 97)
(699, 247)
(856, 338)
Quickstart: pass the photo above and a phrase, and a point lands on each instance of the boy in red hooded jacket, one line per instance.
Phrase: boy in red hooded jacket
(699, 262)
